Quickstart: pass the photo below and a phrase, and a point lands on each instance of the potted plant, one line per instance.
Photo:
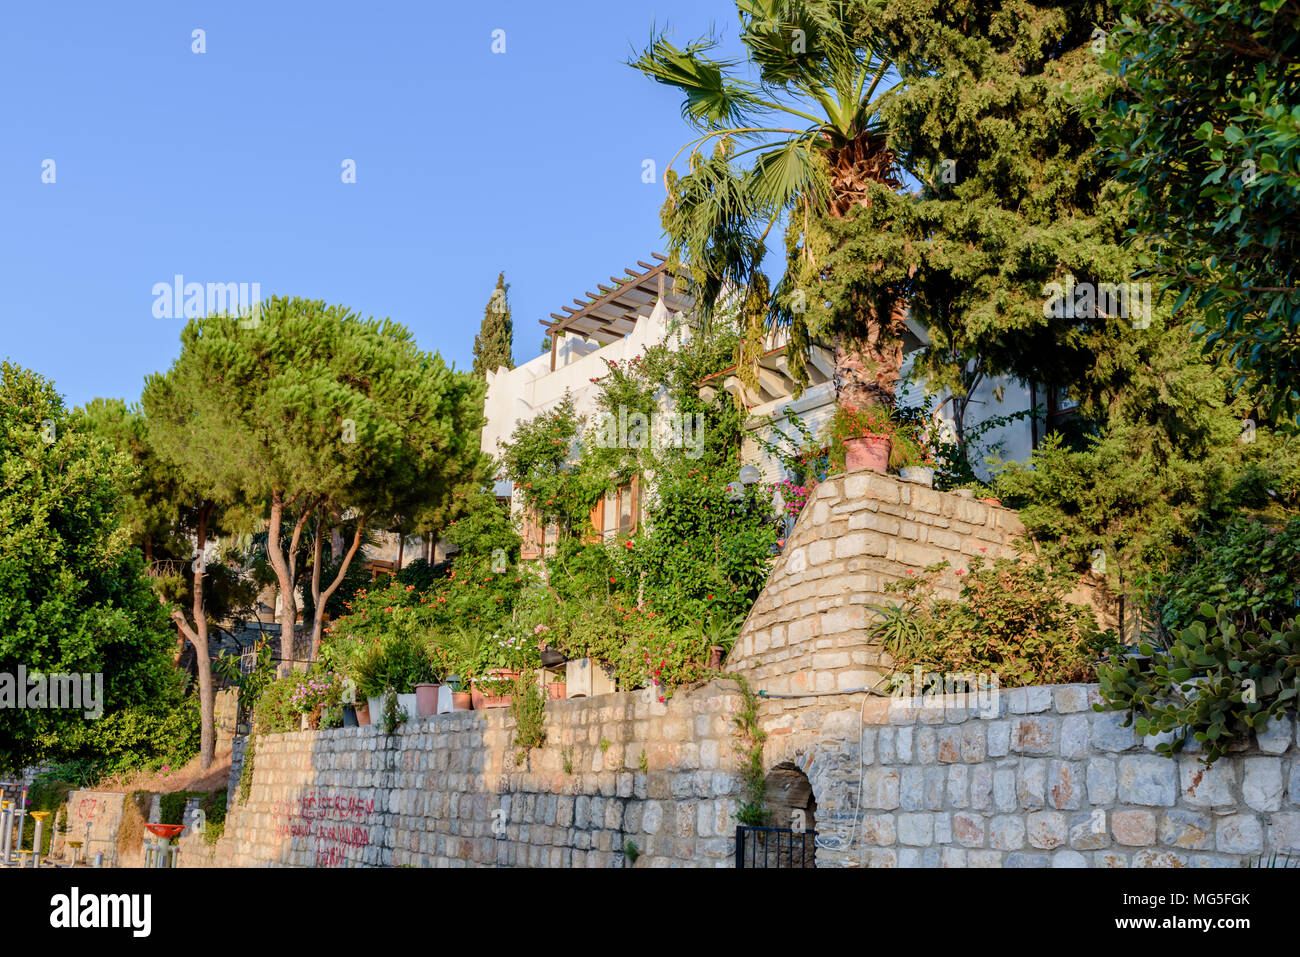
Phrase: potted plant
(917, 459)
(466, 654)
(492, 690)
(719, 635)
(398, 663)
(550, 656)
(461, 700)
(311, 694)
(862, 438)
(362, 709)
(557, 690)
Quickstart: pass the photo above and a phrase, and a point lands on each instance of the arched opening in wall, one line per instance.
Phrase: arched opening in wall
(789, 801)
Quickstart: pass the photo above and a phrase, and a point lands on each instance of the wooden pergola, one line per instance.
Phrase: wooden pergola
(610, 314)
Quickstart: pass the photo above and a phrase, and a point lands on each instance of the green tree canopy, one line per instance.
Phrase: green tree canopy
(1010, 199)
(315, 413)
(72, 596)
(1202, 122)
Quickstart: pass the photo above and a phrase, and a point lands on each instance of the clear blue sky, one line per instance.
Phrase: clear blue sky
(225, 166)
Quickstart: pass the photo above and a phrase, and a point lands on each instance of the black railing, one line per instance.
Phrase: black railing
(775, 847)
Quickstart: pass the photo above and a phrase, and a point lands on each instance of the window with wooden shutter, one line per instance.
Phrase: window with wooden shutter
(622, 510)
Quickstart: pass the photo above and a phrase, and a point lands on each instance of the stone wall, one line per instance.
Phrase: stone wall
(808, 629)
(447, 791)
(1010, 778)
(1028, 777)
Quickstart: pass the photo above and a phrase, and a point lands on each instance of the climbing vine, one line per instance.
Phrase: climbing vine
(750, 810)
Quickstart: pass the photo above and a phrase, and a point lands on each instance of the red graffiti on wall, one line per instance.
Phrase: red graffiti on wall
(328, 823)
(86, 809)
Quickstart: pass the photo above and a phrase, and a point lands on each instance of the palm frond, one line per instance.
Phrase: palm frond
(713, 98)
(784, 173)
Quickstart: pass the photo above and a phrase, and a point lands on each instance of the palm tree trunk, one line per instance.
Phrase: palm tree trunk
(867, 369)
(869, 358)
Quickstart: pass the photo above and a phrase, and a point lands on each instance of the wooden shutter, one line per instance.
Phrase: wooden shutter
(597, 530)
(532, 535)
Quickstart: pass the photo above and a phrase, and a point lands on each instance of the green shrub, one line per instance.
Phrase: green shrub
(1011, 619)
(142, 737)
(1249, 567)
(528, 708)
(285, 700)
(1217, 682)
(402, 662)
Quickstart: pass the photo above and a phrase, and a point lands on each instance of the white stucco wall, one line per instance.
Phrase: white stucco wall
(521, 394)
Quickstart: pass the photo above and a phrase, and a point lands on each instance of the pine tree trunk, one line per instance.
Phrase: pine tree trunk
(319, 598)
(288, 605)
(207, 701)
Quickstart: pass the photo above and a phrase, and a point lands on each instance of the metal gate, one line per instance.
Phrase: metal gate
(775, 847)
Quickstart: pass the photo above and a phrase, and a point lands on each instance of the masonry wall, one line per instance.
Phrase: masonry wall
(808, 629)
(446, 791)
(1031, 778)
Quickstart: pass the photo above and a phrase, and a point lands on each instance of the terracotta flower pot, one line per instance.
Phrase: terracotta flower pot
(462, 701)
(363, 713)
(489, 699)
(870, 451)
(426, 700)
(557, 690)
(715, 656)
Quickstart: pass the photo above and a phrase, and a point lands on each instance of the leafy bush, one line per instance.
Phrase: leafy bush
(1011, 619)
(1248, 567)
(145, 736)
(1217, 682)
(419, 574)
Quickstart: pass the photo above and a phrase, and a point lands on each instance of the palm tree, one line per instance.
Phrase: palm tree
(819, 70)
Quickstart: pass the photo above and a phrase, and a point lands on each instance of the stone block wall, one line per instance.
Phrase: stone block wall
(1031, 777)
(808, 629)
(446, 791)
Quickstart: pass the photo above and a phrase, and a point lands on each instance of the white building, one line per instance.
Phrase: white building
(647, 307)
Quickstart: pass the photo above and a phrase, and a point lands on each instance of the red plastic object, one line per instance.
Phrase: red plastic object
(167, 831)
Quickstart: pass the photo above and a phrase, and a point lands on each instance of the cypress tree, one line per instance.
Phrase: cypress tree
(1011, 198)
(492, 345)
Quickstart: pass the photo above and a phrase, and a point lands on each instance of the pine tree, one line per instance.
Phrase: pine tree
(493, 344)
